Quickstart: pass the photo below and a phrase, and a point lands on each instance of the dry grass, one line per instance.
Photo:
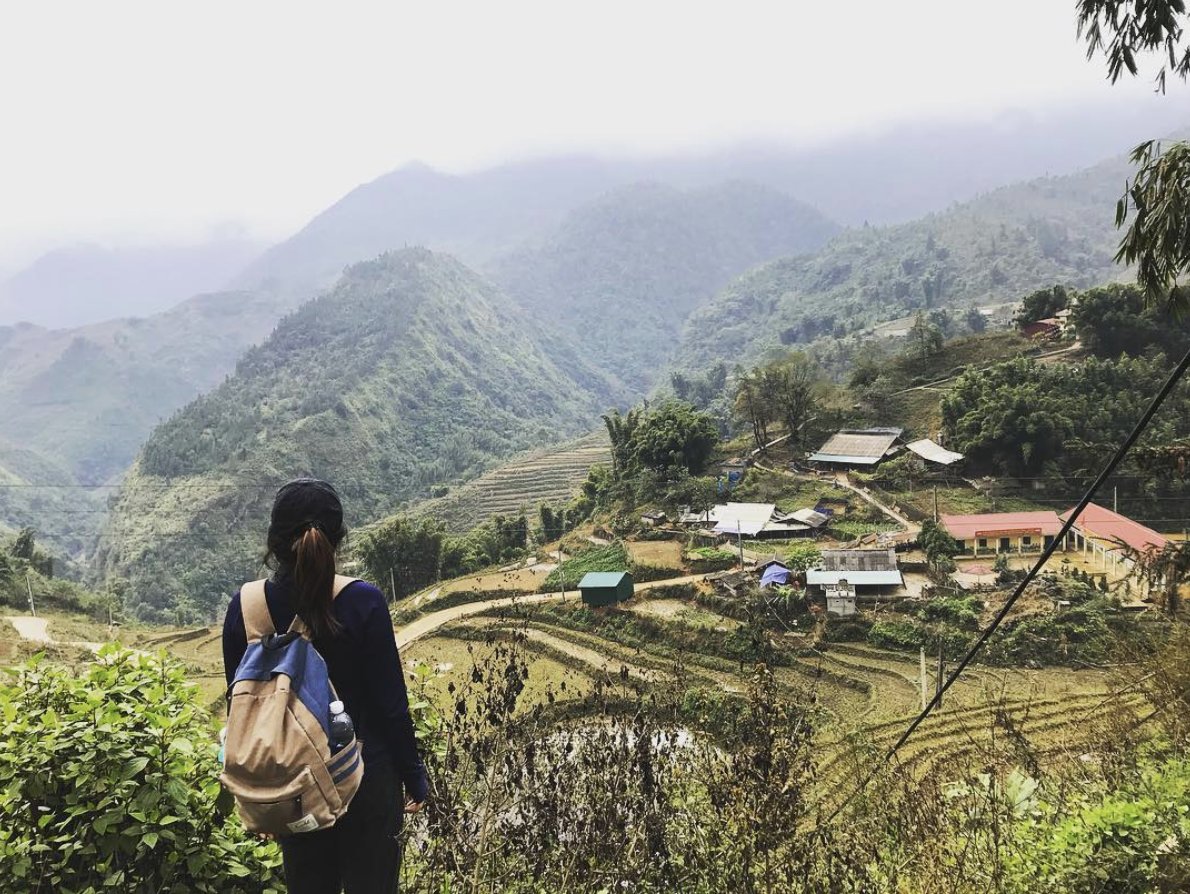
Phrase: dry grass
(452, 661)
(659, 553)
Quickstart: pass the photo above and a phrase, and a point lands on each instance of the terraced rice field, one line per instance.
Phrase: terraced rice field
(682, 613)
(549, 476)
(868, 695)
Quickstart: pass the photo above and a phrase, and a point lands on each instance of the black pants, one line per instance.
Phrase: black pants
(360, 854)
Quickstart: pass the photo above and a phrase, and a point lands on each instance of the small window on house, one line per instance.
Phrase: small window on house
(1027, 541)
(983, 543)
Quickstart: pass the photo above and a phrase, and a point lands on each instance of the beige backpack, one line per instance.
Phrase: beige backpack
(277, 755)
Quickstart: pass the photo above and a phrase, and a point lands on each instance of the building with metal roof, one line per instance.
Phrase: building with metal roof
(867, 568)
(858, 446)
(1115, 539)
(997, 532)
(601, 588)
(752, 520)
(934, 453)
(1102, 523)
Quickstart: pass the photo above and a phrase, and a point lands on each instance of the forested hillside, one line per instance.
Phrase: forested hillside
(410, 372)
(993, 249)
(622, 275)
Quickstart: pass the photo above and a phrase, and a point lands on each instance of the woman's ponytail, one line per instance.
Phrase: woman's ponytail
(314, 581)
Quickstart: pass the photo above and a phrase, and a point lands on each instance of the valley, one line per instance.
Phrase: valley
(687, 500)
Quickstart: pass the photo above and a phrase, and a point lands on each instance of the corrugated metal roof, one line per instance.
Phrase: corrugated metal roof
(935, 453)
(811, 517)
(821, 576)
(599, 579)
(1099, 521)
(844, 560)
(856, 446)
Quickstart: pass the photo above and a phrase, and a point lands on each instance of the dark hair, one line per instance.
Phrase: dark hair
(305, 530)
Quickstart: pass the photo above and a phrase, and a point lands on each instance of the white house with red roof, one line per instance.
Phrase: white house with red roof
(1113, 538)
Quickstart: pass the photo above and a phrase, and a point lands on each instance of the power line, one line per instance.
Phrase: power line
(1068, 525)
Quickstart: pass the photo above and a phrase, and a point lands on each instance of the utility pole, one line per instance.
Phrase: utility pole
(392, 583)
(941, 672)
(1115, 498)
(921, 679)
(740, 540)
(935, 504)
(29, 585)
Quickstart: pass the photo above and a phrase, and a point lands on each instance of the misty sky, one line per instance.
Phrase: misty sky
(138, 120)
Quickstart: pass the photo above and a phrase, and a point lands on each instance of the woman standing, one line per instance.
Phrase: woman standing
(354, 634)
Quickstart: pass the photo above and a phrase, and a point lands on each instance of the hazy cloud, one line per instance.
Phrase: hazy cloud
(147, 118)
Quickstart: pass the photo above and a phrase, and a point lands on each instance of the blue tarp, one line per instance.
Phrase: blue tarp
(775, 575)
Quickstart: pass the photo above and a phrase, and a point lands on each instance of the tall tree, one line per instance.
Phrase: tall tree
(925, 339)
(790, 386)
(620, 431)
(674, 439)
(750, 405)
(1158, 199)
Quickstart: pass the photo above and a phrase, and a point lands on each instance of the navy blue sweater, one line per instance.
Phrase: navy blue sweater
(364, 667)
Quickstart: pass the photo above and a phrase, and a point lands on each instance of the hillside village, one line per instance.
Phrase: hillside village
(718, 540)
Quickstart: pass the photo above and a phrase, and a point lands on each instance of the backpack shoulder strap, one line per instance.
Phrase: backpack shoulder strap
(258, 623)
(341, 584)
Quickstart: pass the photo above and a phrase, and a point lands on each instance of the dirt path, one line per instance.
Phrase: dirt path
(844, 481)
(427, 624)
(36, 630)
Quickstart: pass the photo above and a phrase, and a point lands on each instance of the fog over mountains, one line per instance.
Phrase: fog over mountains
(86, 283)
(617, 269)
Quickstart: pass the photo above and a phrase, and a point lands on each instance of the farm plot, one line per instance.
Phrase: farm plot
(549, 476)
(656, 553)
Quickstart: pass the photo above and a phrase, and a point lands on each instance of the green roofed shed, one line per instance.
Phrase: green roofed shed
(605, 587)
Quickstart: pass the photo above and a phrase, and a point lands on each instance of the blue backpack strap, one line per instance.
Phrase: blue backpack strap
(258, 623)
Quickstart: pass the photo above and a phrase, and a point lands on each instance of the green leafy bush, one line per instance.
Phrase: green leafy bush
(707, 558)
(962, 612)
(109, 781)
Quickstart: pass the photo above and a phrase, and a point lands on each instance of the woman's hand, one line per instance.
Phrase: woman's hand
(412, 806)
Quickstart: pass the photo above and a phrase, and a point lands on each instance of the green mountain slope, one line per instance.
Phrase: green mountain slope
(76, 404)
(993, 249)
(621, 275)
(411, 371)
(86, 398)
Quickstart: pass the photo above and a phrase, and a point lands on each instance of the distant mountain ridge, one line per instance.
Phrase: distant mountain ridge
(620, 275)
(995, 248)
(410, 372)
(886, 176)
(80, 285)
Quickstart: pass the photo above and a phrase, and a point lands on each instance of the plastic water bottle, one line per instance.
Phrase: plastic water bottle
(223, 746)
(342, 729)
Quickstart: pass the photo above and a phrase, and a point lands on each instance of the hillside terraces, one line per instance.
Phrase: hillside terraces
(550, 476)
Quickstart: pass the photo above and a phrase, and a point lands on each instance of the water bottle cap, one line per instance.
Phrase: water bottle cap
(336, 707)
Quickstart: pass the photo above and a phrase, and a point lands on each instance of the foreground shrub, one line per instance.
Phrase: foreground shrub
(109, 781)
